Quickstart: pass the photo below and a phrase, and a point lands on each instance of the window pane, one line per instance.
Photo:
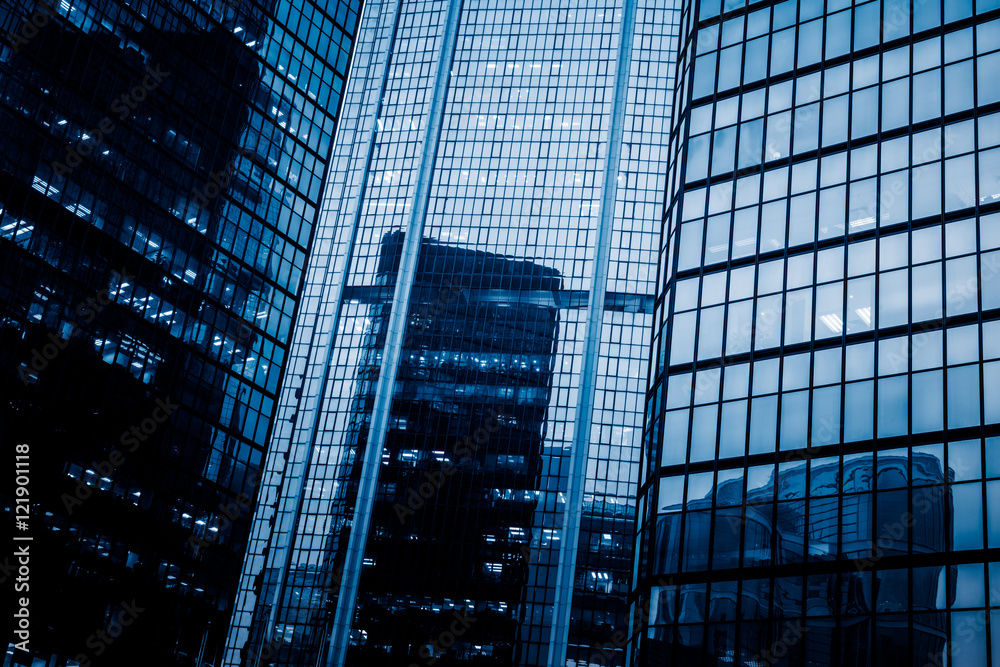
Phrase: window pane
(739, 327)
(732, 440)
(829, 310)
(798, 316)
(710, 333)
(810, 43)
(860, 295)
(987, 82)
(858, 411)
(927, 96)
(864, 107)
(745, 233)
(958, 87)
(863, 205)
(967, 529)
(927, 292)
(959, 183)
(926, 190)
(768, 323)
(838, 34)
(807, 128)
(794, 420)
(724, 150)
(763, 424)
(704, 75)
(703, 426)
(826, 415)
(755, 62)
(802, 220)
(989, 176)
(697, 158)
(894, 197)
(782, 51)
(751, 143)
(832, 211)
(682, 339)
(962, 288)
(778, 136)
(963, 396)
(896, 113)
(897, 19)
(866, 25)
(928, 402)
(893, 298)
(834, 120)
(893, 406)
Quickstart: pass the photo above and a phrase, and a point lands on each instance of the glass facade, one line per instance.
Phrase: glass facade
(161, 166)
(821, 473)
(456, 456)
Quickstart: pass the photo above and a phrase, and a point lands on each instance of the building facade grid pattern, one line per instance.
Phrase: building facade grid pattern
(824, 384)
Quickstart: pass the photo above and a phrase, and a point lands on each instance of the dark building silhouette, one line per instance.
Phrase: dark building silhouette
(453, 520)
(160, 168)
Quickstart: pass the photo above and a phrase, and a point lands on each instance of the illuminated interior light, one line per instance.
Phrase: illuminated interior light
(833, 322)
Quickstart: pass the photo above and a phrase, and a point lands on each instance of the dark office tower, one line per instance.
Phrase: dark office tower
(161, 164)
(482, 274)
(821, 482)
(460, 470)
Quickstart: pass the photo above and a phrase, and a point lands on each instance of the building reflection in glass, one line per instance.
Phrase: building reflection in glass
(806, 556)
(461, 468)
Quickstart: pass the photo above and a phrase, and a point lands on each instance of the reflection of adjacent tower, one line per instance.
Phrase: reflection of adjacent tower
(451, 525)
(772, 536)
(463, 454)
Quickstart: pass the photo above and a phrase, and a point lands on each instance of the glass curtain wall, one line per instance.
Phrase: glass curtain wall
(161, 163)
(473, 182)
(821, 481)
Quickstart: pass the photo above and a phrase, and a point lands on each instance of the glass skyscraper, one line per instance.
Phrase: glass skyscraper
(821, 472)
(161, 167)
(454, 468)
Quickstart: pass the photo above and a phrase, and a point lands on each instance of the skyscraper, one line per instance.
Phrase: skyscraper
(161, 164)
(821, 482)
(456, 457)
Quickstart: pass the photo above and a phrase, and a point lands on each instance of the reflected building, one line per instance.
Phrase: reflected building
(161, 164)
(821, 481)
(789, 523)
(451, 526)
(485, 270)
